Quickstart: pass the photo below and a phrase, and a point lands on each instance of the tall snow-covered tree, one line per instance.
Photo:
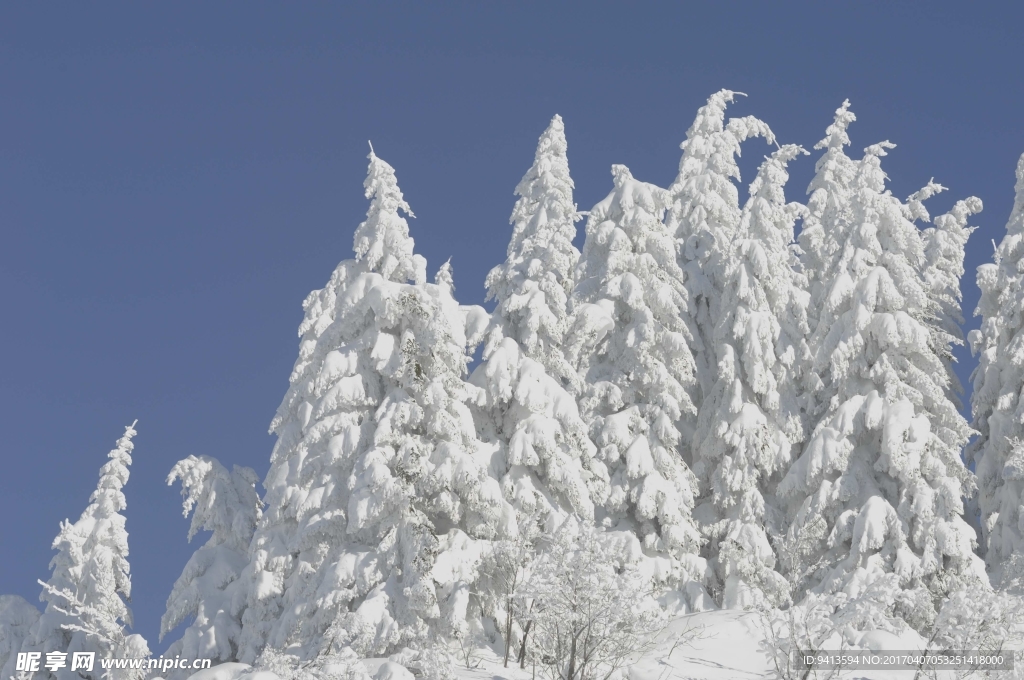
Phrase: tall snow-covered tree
(828, 206)
(209, 591)
(86, 609)
(704, 213)
(998, 453)
(379, 489)
(879, 485)
(632, 343)
(533, 285)
(548, 464)
(751, 418)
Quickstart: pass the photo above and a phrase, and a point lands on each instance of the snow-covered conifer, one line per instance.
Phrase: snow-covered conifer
(998, 453)
(17, 617)
(879, 484)
(533, 285)
(86, 594)
(704, 213)
(209, 591)
(632, 342)
(378, 488)
(547, 457)
(751, 418)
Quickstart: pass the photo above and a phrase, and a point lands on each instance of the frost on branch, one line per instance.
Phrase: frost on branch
(591, 613)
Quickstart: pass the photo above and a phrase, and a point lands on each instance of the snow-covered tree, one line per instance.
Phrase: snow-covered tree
(590, 612)
(879, 485)
(86, 594)
(751, 418)
(998, 453)
(548, 464)
(704, 213)
(533, 285)
(379, 489)
(17, 617)
(209, 591)
(632, 343)
(829, 212)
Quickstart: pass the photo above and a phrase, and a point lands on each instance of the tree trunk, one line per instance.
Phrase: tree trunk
(572, 660)
(522, 646)
(508, 629)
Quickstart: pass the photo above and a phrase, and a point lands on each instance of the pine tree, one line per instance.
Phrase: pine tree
(632, 342)
(209, 590)
(829, 214)
(879, 484)
(704, 213)
(86, 594)
(548, 459)
(379, 490)
(533, 285)
(752, 417)
(998, 453)
(17, 617)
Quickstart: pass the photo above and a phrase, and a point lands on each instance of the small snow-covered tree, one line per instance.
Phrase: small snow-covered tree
(379, 489)
(86, 594)
(504, 572)
(976, 617)
(633, 346)
(879, 486)
(998, 453)
(17, 617)
(209, 591)
(751, 418)
(704, 213)
(591, 612)
(548, 464)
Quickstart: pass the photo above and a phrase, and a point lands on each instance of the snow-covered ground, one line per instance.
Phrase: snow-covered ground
(714, 645)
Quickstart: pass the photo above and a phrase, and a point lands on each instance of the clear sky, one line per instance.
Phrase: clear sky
(175, 178)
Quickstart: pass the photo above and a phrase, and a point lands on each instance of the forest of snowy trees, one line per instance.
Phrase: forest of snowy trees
(716, 404)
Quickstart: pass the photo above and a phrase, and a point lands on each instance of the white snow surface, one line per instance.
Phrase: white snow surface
(724, 645)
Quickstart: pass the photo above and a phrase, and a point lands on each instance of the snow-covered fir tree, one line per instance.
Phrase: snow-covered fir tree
(548, 465)
(533, 285)
(828, 213)
(17, 616)
(751, 418)
(998, 453)
(633, 347)
(86, 609)
(704, 213)
(379, 490)
(880, 483)
(209, 591)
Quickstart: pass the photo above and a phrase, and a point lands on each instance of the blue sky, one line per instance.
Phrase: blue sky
(174, 179)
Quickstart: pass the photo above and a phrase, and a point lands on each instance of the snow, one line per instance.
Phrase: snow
(702, 440)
